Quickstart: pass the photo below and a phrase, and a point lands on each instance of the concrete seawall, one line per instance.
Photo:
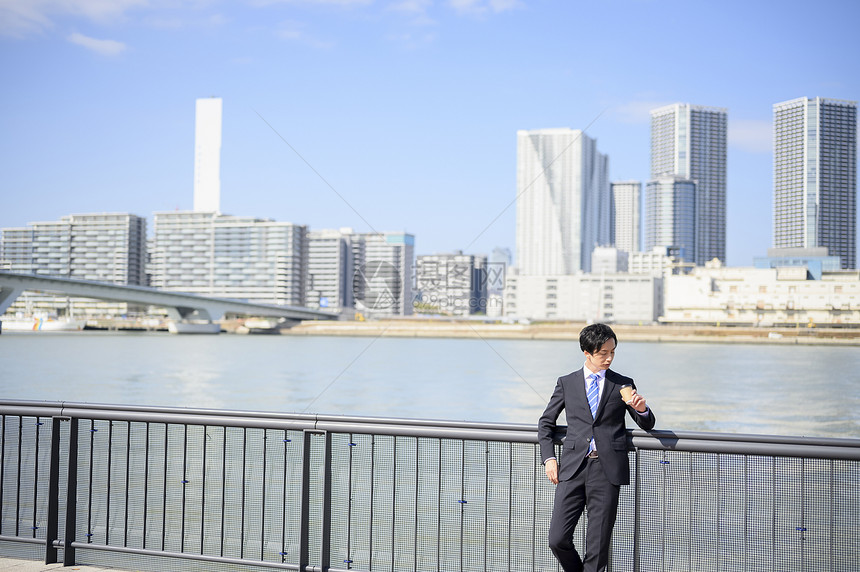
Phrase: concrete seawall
(570, 331)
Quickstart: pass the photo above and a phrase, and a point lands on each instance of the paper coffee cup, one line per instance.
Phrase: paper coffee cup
(626, 393)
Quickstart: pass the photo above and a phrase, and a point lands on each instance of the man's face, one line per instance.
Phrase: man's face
(602, 358)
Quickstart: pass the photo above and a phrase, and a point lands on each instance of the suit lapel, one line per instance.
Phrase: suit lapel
(579, 379)
(609, 387)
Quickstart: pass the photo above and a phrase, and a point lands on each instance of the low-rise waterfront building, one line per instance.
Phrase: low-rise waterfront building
(619, 298)
(608, 260)
(815, 260)
(783, 296)
(658, 261)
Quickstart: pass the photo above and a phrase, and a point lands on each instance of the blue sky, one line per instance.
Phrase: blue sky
(407, 108)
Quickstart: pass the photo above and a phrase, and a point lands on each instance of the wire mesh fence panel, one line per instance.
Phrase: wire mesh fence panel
(845, 525)
(25, 444)
(225, 496)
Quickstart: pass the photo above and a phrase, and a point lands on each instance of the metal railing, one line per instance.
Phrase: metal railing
(152, 487)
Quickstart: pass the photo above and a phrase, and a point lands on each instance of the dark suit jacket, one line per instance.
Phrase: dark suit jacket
(610, 435)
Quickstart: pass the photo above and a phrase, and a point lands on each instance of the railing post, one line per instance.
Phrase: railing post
(71, 496)
(53, 494)
(325, 541)
(304, 526)
(304, 519)
(637, 501)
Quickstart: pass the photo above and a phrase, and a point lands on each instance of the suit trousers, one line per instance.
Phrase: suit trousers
(587, 489)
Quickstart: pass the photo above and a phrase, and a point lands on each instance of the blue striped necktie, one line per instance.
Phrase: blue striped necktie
(593, 393)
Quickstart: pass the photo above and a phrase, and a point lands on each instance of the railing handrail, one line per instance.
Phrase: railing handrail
(691, 441)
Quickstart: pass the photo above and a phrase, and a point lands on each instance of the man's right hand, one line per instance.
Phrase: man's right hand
(551, 467)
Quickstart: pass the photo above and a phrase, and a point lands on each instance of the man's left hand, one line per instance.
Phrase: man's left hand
(637, 402)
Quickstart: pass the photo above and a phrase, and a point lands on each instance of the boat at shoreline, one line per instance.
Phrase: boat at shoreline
(42, 324)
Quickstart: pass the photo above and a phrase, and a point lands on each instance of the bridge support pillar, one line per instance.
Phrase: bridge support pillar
(185, 320)
(8, 295)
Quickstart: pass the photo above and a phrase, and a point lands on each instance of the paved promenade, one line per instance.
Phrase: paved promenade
(16, 565)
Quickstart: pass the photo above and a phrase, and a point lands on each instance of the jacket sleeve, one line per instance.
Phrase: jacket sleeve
(644, 421)
(547, 423)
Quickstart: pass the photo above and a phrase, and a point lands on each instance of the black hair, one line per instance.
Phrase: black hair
(592, 337)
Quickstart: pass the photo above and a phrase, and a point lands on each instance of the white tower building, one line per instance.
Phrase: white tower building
(815, 176)
(207, 156)
(626, 196)
(563, 201)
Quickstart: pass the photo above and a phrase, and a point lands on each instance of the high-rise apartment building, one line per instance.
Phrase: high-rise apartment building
(383, 277)
(670, 216)
(454, 283)
(625, 204)
(104, 247)
(815, 176)
(689, 141)
(330, 269)
(563, 201)
(252, 259)
(207, 155)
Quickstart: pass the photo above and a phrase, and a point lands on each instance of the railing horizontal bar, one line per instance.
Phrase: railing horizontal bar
(441, 432)
(4, 538)
(180, 418)
(748, 438)
(167, 554)
(747, 448)
(768, 445)
(29, 410)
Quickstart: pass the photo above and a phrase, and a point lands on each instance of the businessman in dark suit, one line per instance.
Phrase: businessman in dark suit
(594, 462)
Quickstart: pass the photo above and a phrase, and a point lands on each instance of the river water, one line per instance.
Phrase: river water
(734, 388)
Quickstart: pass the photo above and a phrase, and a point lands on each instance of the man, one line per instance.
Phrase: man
(594, 463)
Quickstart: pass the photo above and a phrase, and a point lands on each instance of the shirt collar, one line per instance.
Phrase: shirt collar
(601, 375)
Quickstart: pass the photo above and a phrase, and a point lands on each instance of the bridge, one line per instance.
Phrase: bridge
(190, 313)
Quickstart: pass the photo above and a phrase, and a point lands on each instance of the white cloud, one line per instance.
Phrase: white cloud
(19, 18)
(484, 6)
(752, 135)
(103, 47)
(330, 2)
(412, 6)
(295, 32)
(416, 10)
(636, 111)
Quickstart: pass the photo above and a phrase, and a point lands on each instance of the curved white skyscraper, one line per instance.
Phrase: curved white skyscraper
(563, 201)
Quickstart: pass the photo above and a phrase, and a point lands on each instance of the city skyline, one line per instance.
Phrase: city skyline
(384, 116)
